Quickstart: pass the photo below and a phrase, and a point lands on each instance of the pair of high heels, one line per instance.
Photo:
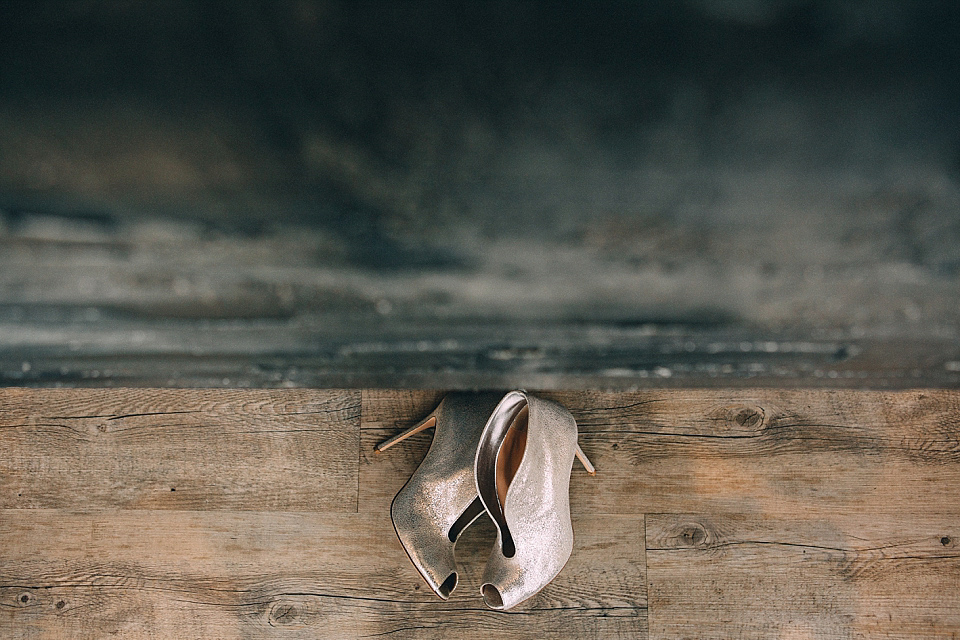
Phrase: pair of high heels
(508, 456)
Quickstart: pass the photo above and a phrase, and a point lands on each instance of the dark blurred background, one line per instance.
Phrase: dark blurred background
(591, 194)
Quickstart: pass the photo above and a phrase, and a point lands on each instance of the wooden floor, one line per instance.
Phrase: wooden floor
(264, 514)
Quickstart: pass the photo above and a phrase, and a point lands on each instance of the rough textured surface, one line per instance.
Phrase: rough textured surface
(175, 574)
(788, 576)
(756, 451)
(714, 514)
(157, 449)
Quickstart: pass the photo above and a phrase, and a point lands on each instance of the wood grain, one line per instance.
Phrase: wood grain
(288, 575)
(386, 413)
(767, 452)
(792, 514)
(746, 576)
(756, 451)
(164, 449)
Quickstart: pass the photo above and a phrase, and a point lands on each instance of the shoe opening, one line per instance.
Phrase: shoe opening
(491, 596)
(511, 452)
(508, 461)
(448, 586)
(469, 514)
(499, 456)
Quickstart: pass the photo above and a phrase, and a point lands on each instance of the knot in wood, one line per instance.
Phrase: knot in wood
(748, 416)
(739, 417)
(285, 613)
(693, 534)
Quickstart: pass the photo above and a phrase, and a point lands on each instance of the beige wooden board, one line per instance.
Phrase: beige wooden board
(386, 413)
(816, 514)
(770, 451)
(756, 451)
(747, 576)
(230, 574)
(179, 449)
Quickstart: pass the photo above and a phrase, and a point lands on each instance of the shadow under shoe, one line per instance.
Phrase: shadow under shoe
(440, 499)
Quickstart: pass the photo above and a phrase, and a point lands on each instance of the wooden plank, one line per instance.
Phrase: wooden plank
(767, 576)
(870, 477)
(766, 451)
(186, 449)
(698, 451)
(289, 575)
(384, 414)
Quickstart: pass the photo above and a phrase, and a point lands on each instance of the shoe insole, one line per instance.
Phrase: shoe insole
(511, 454)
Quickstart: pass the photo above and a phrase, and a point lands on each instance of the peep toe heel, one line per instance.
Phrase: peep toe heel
(523, 465)
(440, 499)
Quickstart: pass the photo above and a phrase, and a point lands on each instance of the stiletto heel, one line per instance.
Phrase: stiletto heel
(429, 422)
(585, 461)
(523, 466)
(440, 499)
